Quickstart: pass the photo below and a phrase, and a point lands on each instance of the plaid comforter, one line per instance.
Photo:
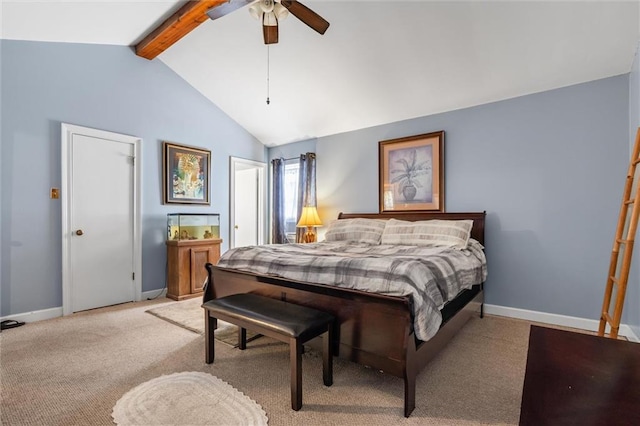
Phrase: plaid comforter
(431, 276)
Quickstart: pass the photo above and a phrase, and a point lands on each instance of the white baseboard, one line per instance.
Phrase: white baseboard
(50, 313)
(555, 319)
(32, 316)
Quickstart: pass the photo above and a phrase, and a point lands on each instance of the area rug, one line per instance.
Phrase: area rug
(185, 313)
(196, 399)
(190, 315)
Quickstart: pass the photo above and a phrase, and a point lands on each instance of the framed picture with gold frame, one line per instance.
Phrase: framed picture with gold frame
(411, 173)
(185, 174)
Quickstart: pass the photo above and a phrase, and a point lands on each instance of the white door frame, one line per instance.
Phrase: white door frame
(234, 164)
(68, 130)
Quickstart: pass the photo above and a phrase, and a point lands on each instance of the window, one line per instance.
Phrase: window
(291, 173)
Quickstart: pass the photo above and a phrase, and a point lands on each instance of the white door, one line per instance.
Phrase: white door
(99, 220)
(247, 204)
(246, 211)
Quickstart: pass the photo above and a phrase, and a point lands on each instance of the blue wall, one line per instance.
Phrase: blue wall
(108, 88)
(549, 170)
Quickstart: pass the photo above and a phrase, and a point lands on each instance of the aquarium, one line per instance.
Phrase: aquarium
(193, 226)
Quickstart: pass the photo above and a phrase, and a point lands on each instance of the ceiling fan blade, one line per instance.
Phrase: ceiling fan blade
(227, 8)
(306, 15)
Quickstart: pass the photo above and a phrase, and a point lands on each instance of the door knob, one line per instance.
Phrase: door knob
(236, 226)
(79, 232)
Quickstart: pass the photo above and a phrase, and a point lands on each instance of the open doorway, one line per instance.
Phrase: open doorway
(247, 205)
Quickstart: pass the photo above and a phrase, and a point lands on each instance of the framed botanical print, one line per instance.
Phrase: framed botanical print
(185, 173)
(411, 173)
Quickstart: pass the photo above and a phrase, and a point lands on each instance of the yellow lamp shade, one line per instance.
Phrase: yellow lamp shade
(309, 217)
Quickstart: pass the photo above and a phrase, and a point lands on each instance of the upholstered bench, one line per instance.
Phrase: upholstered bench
(284, 321)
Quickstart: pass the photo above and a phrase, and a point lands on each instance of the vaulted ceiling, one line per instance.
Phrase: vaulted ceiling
(379, 61)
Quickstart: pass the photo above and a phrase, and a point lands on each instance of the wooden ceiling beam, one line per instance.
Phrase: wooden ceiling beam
(181, 23)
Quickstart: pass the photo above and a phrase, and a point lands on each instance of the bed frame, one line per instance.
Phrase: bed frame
(372, 329)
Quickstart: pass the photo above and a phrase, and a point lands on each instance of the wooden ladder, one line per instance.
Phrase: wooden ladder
(622, 245)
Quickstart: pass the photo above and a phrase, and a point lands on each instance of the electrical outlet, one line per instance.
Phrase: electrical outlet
(55, 193)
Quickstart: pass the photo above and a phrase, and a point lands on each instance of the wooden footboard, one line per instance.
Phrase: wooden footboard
(372, 329)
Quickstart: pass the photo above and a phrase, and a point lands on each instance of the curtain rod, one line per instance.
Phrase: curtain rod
(292, 158)
(298, 157)
(285, 159)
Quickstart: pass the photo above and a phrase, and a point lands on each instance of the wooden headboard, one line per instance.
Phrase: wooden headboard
(477, 231)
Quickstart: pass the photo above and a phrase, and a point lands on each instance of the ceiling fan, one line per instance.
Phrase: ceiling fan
(270, 12)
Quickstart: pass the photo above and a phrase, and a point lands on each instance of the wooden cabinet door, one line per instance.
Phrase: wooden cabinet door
(199, 257)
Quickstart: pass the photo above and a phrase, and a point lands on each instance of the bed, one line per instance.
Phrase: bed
(373, 329)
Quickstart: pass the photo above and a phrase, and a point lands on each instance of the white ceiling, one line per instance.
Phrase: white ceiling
(379, 61)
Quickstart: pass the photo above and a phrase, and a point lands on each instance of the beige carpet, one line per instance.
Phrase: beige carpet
(197, 399)
(72, 370)
(190, 315)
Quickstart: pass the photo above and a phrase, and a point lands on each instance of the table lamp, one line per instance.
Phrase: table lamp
(309, 218)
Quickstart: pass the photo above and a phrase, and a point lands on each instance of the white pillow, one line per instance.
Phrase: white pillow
(443, 233)
(357, 230)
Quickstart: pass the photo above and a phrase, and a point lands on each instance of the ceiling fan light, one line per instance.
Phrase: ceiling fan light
(280, 11)
(255, 10)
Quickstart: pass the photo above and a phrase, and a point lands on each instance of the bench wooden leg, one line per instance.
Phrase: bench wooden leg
(295, 348)
(327, 357)
(210, 325)
(242, 338)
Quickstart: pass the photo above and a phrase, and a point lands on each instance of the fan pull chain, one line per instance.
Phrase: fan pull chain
(267, 74)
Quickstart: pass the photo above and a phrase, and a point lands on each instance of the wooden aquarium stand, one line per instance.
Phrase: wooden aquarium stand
(186, 260)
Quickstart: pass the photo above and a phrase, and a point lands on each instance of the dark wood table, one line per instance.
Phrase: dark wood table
(580, 379)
